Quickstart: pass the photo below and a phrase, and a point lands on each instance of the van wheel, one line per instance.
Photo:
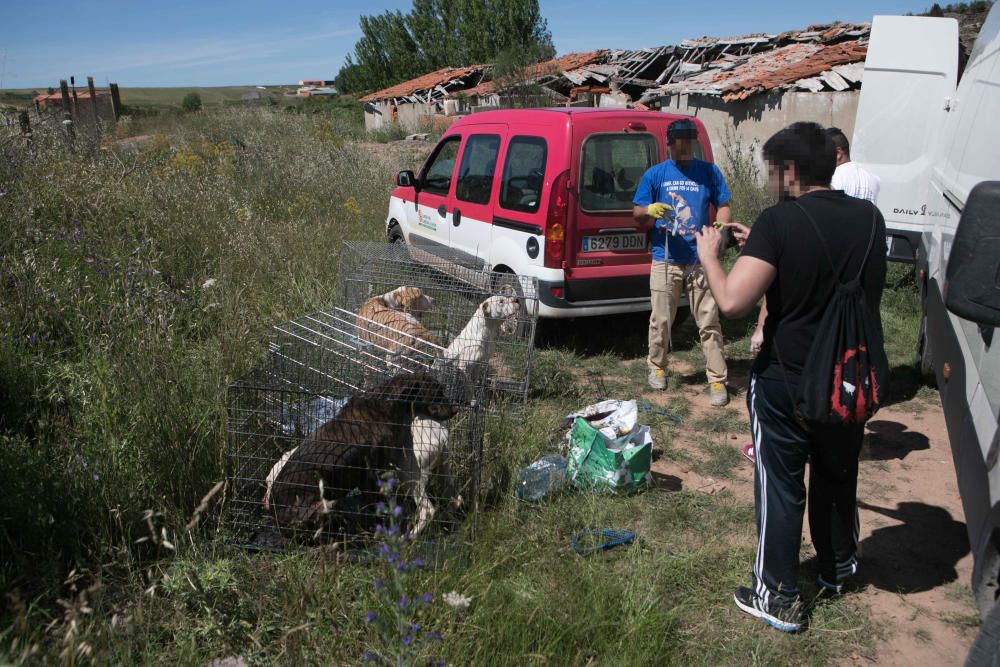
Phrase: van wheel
(505, 283)
(985, 651)
(395, 235)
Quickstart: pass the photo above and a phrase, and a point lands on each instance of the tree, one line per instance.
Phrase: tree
(442, 33)
(191, 102)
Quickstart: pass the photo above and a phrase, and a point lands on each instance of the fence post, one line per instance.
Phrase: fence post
(22, 117)
(67, 114)
(93, 105)
(116, 101)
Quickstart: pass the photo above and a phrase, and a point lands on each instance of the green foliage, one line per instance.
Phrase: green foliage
(396, 47)
(191, 102)
(743, 175)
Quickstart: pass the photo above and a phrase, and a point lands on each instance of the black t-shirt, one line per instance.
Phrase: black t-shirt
(804, 284)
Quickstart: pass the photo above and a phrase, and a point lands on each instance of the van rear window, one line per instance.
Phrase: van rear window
(612, 166)
(523, 174)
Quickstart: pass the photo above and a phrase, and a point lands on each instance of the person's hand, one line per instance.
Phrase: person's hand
(708, 240)
(756, 340)
(740, 232)
(657, 210)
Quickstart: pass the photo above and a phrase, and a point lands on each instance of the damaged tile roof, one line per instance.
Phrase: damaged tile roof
(431, 86)
(821, 57)
(568, 66)
(807, 66)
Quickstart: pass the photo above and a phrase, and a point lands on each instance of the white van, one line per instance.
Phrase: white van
(937, 150)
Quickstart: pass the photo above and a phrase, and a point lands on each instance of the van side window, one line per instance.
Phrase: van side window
(612, 166)
(436, 178)
(523, 174)
(479, 162)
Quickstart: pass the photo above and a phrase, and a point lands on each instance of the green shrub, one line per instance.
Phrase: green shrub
(191, 102)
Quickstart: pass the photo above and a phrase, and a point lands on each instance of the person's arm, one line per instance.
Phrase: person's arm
(738, 292)
(724, 214)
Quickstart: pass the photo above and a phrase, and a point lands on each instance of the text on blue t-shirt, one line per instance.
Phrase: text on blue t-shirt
(689, 190)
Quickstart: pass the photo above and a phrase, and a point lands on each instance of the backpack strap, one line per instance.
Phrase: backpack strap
(826, 247)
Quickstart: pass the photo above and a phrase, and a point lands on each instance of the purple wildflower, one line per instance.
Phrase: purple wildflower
(370, 616)
(380, 508)
(397, 511)
(407, 640)
(377, 583)
(384, 549)
(414, 628)
(436, 636)
(427, 598)
(418, 563)
(404, 601)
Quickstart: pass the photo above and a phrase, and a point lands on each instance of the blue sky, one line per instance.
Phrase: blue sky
(231, 42)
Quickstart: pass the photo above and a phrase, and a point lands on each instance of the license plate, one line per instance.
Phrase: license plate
(614, 242)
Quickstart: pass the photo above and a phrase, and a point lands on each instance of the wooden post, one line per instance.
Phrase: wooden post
(67, 114)
(93, 104)
(116, 101)
(72, 90)
(22, 118)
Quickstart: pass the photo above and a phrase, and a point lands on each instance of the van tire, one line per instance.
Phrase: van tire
(506, 283)
(395, 234)
(985, 651)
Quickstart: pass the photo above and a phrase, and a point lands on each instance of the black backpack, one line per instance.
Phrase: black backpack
(846, 373)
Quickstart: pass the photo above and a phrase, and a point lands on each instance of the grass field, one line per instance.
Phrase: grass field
(163, 97)
(137, 285)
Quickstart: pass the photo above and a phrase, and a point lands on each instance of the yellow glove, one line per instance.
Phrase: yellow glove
(657, 210)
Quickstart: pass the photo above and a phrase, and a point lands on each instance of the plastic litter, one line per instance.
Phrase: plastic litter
(591, 539)
(541, 478)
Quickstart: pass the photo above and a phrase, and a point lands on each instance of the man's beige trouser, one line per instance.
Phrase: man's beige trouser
(666, 284)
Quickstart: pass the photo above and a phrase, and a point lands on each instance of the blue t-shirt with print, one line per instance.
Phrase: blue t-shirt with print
(688, 190)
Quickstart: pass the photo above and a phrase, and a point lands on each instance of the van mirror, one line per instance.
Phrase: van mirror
(405, 179)
(972, 282)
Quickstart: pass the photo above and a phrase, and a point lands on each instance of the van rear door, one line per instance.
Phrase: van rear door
(909, 82)
(607, 251)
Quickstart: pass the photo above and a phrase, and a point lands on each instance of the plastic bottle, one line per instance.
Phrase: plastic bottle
(541, 478)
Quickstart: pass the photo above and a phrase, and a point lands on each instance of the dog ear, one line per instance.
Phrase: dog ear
(392, 298)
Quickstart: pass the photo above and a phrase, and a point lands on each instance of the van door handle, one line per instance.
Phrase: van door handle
(442, 211)
(456, 217)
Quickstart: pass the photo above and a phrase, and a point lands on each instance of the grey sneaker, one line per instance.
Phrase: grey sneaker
(719, 394)
(786, 619)
(657, 378)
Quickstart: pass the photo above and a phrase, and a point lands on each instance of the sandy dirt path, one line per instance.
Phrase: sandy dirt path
(916, 565)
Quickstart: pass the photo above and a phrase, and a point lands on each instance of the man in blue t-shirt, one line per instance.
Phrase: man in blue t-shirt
(677, 194)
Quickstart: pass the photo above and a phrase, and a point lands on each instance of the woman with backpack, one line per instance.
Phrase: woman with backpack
(819, 257)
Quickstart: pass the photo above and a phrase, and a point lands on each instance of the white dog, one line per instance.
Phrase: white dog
(469, 353)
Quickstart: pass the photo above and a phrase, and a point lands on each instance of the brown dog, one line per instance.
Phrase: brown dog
(330, 480)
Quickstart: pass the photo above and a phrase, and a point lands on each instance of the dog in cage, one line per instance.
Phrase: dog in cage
(391, 321)
(329, 482)
(469, 353)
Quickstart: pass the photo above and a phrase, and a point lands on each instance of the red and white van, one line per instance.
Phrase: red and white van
(545, 193)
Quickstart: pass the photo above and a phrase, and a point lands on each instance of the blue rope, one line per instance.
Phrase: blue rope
(611, 538)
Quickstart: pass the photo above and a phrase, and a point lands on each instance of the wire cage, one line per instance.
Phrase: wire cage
(351, 394)
(459, 286)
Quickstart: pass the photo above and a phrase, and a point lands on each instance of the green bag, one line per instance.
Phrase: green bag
(617, 466)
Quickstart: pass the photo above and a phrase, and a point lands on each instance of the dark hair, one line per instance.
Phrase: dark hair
(682, 128)
(807, 147)
(839, 139)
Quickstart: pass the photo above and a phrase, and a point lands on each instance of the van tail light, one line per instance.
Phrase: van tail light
(556, 222)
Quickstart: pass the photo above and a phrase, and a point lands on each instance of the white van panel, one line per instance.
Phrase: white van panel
(912, 64)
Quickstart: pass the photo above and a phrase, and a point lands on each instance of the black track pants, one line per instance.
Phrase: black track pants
(783, 447)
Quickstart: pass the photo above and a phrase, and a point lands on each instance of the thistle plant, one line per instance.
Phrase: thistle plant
(400, 636)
